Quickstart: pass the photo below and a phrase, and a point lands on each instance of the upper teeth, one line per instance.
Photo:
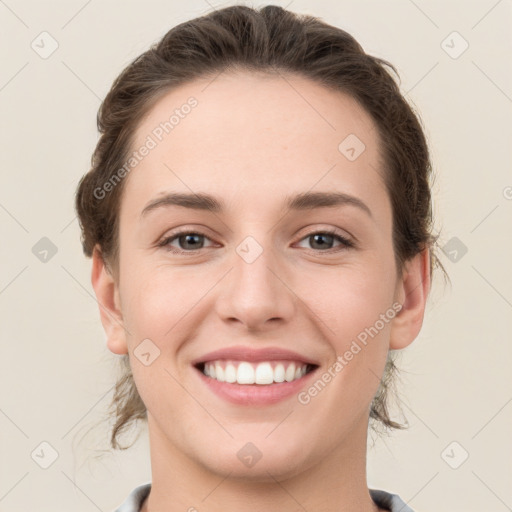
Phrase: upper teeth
(243, 372)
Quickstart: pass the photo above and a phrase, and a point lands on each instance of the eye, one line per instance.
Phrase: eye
(191, 241)
(324, 239)
(188, 241)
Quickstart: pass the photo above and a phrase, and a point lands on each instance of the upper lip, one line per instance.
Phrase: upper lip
(241, 353)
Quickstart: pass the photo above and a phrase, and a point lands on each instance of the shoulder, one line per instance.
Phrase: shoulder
(389, 501)
(135, 499)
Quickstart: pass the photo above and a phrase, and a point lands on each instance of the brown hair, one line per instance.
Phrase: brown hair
(268, 39)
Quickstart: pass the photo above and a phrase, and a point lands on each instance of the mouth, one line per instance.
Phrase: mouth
(262, 373)
(251, 377)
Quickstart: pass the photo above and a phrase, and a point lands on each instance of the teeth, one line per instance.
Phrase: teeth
(219, 373)
(289, 375)
(264, 374)
(243, 372)
(229, 374)
(279, 373)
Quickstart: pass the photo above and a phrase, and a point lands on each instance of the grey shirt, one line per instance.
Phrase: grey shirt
(383, 499)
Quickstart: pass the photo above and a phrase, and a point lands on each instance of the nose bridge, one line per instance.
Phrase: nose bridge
(255, 292)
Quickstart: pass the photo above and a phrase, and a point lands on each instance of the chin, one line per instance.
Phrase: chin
(260, 460)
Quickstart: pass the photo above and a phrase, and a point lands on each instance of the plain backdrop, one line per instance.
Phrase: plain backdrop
(56, 372)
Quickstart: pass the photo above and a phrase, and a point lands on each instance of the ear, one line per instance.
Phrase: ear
(412, 292)
(107, 295)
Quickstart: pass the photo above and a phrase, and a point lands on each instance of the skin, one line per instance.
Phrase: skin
(252, 140)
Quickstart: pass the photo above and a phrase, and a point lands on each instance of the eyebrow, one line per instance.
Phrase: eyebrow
(299, 202)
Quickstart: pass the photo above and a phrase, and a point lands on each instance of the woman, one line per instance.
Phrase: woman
(258, 215)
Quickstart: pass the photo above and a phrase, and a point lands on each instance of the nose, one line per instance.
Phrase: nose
(256, 293)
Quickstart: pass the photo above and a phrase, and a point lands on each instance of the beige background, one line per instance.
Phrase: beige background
(57, 374)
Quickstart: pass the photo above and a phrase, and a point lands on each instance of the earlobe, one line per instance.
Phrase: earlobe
(412, 293)
(107, 295)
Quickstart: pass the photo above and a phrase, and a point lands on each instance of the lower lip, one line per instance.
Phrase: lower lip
(255, 394)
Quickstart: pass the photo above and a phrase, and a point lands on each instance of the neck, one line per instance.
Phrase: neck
(335, 484)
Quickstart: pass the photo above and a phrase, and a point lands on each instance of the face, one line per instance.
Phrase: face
(287, 268)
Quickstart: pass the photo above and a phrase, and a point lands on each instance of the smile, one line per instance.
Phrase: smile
(250, 376)
(261, 373)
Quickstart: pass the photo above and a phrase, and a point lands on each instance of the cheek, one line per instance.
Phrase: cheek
(155, 311)
(351, 299)
(354, 306)
(356, 315)
(154, 299)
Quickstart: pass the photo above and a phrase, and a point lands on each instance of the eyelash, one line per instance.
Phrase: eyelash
(347, 244)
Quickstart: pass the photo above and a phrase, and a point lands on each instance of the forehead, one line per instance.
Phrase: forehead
(257, 134)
